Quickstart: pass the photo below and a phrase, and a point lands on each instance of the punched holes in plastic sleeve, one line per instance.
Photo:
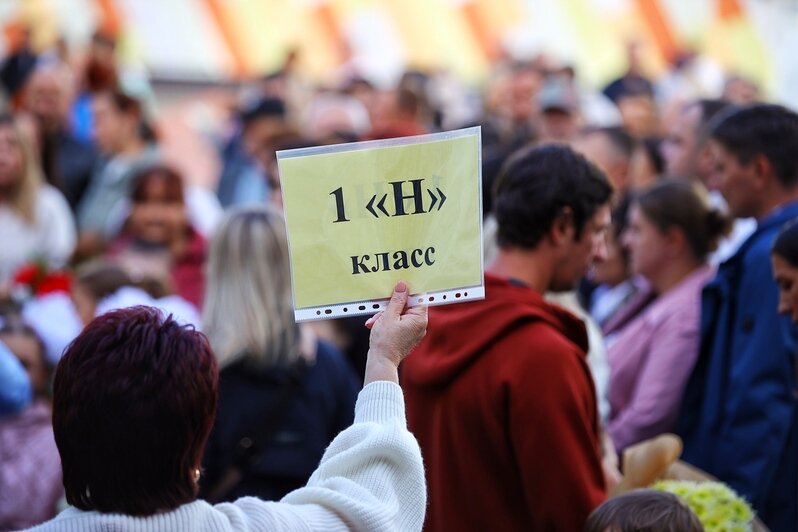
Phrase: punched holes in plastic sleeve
(358, 308)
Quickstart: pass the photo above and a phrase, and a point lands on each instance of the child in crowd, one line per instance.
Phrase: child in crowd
(643, 510)
(159, 242)
(30, 469)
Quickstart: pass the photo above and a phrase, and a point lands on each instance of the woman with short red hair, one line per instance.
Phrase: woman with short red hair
(135, 396)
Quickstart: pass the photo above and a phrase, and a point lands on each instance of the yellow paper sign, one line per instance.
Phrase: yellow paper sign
(362, 216)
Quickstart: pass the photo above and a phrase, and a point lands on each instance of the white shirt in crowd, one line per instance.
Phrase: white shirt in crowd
(55, 318)
(742, 228)
(597, 353)
(51, 237)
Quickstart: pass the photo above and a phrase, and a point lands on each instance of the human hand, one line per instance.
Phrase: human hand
(609, 462)
(394, 333)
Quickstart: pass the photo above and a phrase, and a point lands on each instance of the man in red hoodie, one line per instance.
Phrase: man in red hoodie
(499, 393)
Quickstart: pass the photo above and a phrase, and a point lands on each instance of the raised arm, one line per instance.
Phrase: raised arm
(371, 477)
(394, 333)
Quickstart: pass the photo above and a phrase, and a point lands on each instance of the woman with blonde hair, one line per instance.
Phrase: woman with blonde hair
(36, 220)
(282, 396)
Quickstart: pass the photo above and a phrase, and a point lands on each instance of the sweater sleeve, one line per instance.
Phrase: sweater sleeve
(370, 478)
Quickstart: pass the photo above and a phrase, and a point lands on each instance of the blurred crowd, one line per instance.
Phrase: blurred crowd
(680, 302)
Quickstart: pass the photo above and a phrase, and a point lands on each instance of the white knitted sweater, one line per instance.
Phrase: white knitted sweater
(370, 478)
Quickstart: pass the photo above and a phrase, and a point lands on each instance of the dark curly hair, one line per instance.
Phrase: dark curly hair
(537, 184)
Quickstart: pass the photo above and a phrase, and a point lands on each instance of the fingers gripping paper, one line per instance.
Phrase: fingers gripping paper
(362, 216)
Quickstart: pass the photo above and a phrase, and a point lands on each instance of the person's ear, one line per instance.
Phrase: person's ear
(562, 230)
(762, 170)
(675, 241)
(705, 161)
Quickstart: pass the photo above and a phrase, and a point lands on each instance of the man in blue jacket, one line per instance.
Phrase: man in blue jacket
(739, 412)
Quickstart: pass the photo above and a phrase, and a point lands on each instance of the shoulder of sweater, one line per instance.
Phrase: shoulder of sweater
(49, 196)
(682, 302)
(243, 515)
(51, 205)
(539, 344)
(545, 364)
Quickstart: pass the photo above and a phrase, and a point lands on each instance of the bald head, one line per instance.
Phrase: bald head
(48, 95)
(684, 148)
(609, 148)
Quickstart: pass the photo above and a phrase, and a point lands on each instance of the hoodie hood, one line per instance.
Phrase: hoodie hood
(457, 335)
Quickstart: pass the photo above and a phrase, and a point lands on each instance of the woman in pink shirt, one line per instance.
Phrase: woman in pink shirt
(672, 229)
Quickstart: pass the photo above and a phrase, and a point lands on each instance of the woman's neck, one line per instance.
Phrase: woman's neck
(674, 274)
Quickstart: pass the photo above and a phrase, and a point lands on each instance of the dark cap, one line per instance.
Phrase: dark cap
(262, 108)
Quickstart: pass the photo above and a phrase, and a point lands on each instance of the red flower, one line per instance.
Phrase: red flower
(40, 281)
(54, 282)
(28, 274)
